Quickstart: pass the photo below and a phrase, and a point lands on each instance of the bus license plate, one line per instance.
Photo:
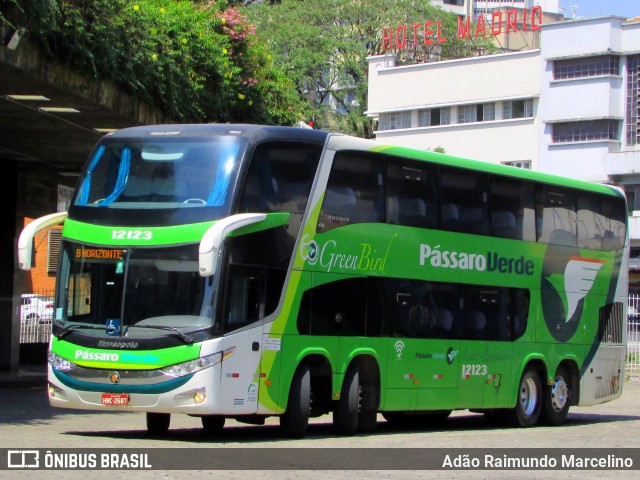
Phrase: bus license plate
(119, 399)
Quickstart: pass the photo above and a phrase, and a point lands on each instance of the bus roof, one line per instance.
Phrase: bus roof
(505, 170)
(254, 132)
(257, 133)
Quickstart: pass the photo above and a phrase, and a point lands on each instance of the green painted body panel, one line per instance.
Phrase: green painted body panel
(124, 359)
(156, 236)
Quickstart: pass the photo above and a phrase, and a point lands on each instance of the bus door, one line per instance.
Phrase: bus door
(507, 311)
(436, 362)
(432, 318)
(499, 361)
(472, 373)
(473, 365)
(402, 376)
(423, 364)
(244, 305)
(486, 354)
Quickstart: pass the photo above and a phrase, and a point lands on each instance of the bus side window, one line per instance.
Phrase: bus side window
(556, 216)
(376, 326)
(354, 191)
(245, 299)
(464, 198)
(279, 177)
(411, 194)
(518, 312)
(512, 209)
(351, 307)
(335, 308)
(596, 227)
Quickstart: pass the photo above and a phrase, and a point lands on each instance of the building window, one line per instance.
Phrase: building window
(585, 131)
(395, 120)
(526, 164)
(467, 114)
(518, 109)
(479, 112)
(586, 67)
(632, 193)
(633, 99)
(434, 116)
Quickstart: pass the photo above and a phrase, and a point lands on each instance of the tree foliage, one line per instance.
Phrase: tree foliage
(196, 60)
(204, 61)
(323, 47)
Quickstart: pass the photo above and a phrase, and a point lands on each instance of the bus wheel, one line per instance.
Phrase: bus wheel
(397, 419)
(495, 417)
(367, 420)
(345, 416)
(529, 402)
(212, 423)
(557, 398)
(158, 423)
(295, 420)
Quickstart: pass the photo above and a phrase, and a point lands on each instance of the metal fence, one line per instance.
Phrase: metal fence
(633, 335)
(36, 313)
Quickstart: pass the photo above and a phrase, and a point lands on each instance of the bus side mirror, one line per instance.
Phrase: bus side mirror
(25, 242)
(215, 235)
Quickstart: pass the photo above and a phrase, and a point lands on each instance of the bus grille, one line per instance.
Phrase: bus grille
(611, 322)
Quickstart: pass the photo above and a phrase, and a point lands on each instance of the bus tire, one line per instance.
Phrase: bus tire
(212, 423)
(496, 417)
(529, 400)
(557, 398)
(397, 419)
(295, 420)
(345, 416)
(367, 420)
(158, 423)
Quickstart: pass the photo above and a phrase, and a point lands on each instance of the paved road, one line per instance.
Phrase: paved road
(27, 421)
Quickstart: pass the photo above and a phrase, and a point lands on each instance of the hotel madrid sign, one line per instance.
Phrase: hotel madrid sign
(430, 32)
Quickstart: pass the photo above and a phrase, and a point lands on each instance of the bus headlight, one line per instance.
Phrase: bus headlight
(193, 366)
(59, 363)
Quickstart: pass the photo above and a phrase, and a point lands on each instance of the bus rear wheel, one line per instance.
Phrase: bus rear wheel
(295, 420)
(345, 416)
(529, 401)
(158, 423)
(557, 398)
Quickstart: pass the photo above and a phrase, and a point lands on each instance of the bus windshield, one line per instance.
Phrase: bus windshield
(161, 173)
(117, 289)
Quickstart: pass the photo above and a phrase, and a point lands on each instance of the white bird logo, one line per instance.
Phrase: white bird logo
(579, 276)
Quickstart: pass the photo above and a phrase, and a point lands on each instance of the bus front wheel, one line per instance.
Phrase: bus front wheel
(158, 423)
(295, 420)
(557, 398)
(529, 400)
(212, 423)
(345, 416)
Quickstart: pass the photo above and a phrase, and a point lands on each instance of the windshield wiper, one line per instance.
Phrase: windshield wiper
(185, 338)
(68, 329)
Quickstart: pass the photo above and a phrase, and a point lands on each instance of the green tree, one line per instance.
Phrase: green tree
(198, 61)
(323, 46)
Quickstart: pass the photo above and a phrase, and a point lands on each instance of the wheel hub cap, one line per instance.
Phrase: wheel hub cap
(559, 394)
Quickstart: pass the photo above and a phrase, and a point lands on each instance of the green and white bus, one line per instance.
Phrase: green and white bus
(243, 271)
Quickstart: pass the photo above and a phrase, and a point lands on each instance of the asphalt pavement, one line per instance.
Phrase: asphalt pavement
(28, 422)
